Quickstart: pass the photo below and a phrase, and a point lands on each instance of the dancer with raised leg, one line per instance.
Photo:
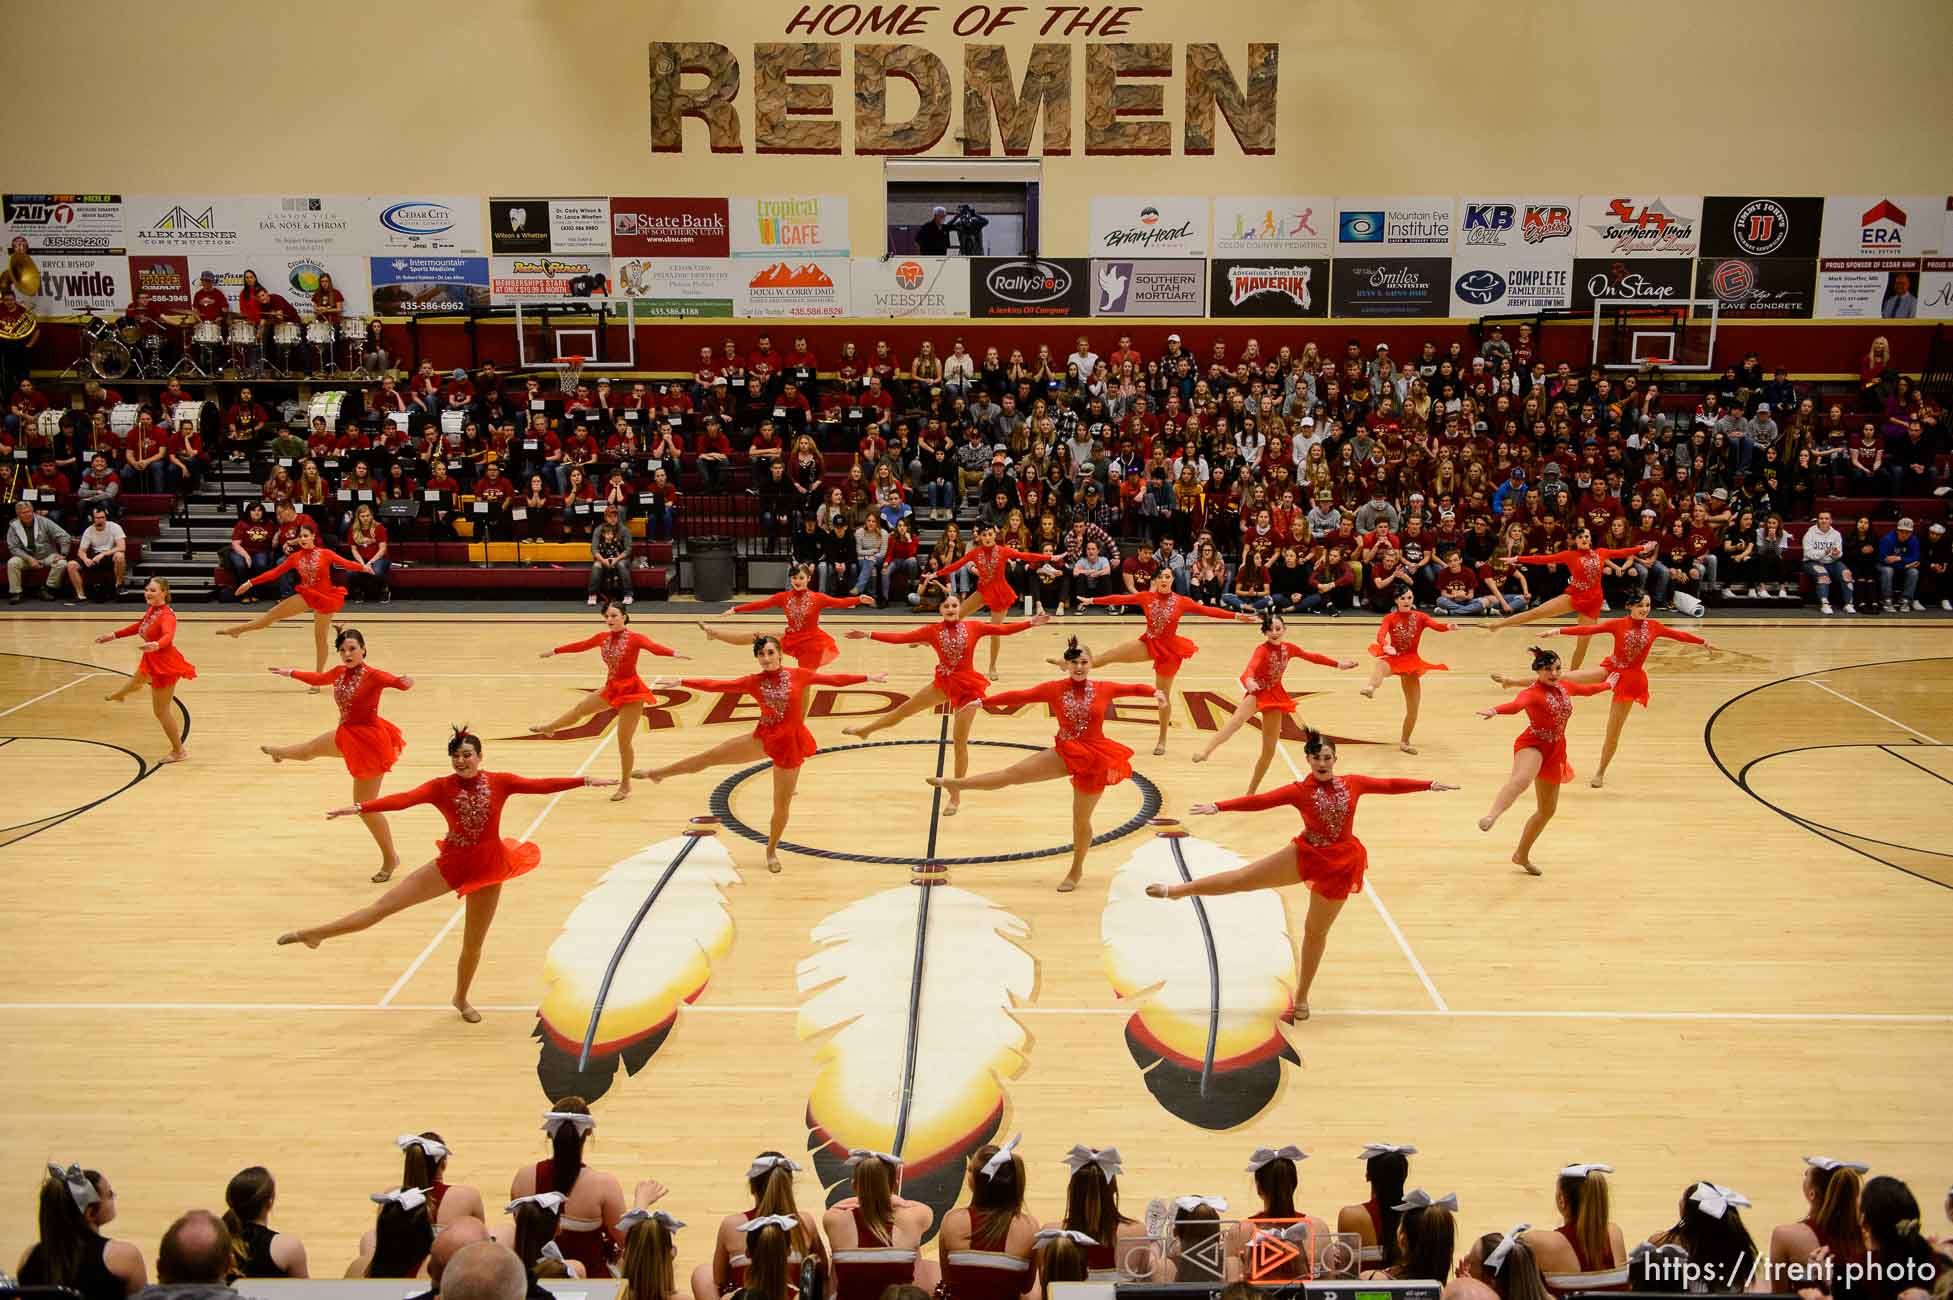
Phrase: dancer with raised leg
(1582, 595)
(473, 859)
(989, 561)
(1539, 753)
(367, 742)
(316, 591)
(1265, 694)
(1080, 751)
(161, 667)
(956, 682)
(623, 690)
(1396, 652)
(1326, 855)
(781, 736)
(803, 638)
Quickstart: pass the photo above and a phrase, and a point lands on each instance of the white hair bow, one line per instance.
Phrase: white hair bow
(555, 1119)
(1187, 1204)
(1268, 1155)
(408, 1141)
(784, 1222)
(407, 1198)
(1048, 1235)
(79, 1187)
(631, 1218)
(551, 1201)
(1419, 1199)
(1372, 1149)
(767, 1164)
(1003, 1156)
(1105, 1159)
(1585, 1171)
(1716, 1199)
(1294, 1232)
(860, 1155)
(1496, 1260)
(553, 1251)
(1832, 1162)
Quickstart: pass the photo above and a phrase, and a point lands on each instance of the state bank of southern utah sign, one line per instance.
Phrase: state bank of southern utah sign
(1017, 104)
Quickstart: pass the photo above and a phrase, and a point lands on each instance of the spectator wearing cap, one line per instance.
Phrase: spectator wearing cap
(1761, 429)
(1937, 565)
(458, 394)
(1899, 564)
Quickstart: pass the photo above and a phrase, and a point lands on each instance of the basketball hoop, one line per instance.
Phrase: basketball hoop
(568, 371)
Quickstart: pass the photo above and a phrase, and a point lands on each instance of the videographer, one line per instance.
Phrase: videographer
(968, 224)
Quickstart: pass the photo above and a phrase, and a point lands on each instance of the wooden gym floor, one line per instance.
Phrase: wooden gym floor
(1736, 955)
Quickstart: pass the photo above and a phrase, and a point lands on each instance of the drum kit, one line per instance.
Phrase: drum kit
(135, 348)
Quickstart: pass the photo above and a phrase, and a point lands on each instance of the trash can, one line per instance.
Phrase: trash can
(712, 571)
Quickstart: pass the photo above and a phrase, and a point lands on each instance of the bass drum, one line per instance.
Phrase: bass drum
(122, 416)
(327, 406)
(202, 416)
(451, 421)
(48, 422)
(108, 359)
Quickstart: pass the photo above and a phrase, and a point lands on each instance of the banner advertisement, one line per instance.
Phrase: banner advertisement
(789, 226)
(793, 288)
(1640, 225)
(528, 279)
(330, 223)
(1867, 288)
(63, 223)
(669, 228)
(1759, 288)
(1143, 227)
(75, 284)
(1513, 255)
(1176, 287)
(549, 226)
(404, 286)
(1293, 226)
(673, 287)
(297, 278)
(1292, 290)
(1368, 226)
(165, 277)
(1030, 287)
(1630, 278)
(421, 223)
(1391, 286)
(1757, 227)
(1898, 226)
(923, 288)
(185, 223)
(1936, 289)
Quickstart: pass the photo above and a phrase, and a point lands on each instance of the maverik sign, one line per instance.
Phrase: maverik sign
(1269, 288)
(1030, 286)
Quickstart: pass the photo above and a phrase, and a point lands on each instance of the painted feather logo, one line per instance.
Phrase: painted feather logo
(1211, 979)
(640, 943)
(907, 1000)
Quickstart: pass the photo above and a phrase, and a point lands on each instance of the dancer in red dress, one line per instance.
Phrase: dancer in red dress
(162, 665)
(367, 742)
(1265, 694)
(1539, 754)
(623, 690)
(1326, 855)
(781, 735)
(473, 858)
(1396, 651)
(1582, 595)
(803, 638)
(956, 683)
(1080, 751)
(1161, 642)
(1623, 671)
(316, 591)
(988, 561)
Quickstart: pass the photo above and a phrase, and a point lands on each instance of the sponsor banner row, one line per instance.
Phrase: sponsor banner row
(917, 288)
(319, 225)
(80, 284)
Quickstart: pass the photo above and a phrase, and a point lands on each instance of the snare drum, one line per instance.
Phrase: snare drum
(285, 334)
(207, 333)
(319, 332)
(451, 421)
(243, 333)
(48, 423)
(352, 328)
(326, 406)
(122, 416)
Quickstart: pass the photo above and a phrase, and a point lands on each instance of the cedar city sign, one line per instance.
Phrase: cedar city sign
(1015, 104)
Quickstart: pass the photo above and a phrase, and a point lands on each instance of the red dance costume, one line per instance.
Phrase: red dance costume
(955, 646)
(804, 640)
(993, 584)
(1583, 573)
(1632, 642)
(620, 650)
(368, 742)
(1162, 638)
(473, 855)
(1328, 857)
(1263, 679)
(165, 665)
(1547, 710)
(1094, 761)
(782, 729)
(1397, 638)
(314, 569)
(583, 1240)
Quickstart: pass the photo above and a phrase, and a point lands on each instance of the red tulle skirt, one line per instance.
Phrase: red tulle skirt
(1274, 699)
(1408, 664)
(1095, 762)
(998, 596)
(481, 865)
(1553, 767)
(1628, 683)
(1333, 870)
(963, 687)
(165, 667)
(1586, 600)
(1168, 653)
(787, 744)
(323, 600)
(619, 691)
(369, 748)
(810, 647)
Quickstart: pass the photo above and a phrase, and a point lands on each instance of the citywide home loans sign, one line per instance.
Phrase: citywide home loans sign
(1018, 104)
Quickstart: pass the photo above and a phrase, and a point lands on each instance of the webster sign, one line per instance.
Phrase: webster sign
(1012, 104)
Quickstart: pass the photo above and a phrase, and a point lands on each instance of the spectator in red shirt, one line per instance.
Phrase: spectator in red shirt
(251, 551)
(715, 457)
(1136, 570)
(367, 539)
(209, 302)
